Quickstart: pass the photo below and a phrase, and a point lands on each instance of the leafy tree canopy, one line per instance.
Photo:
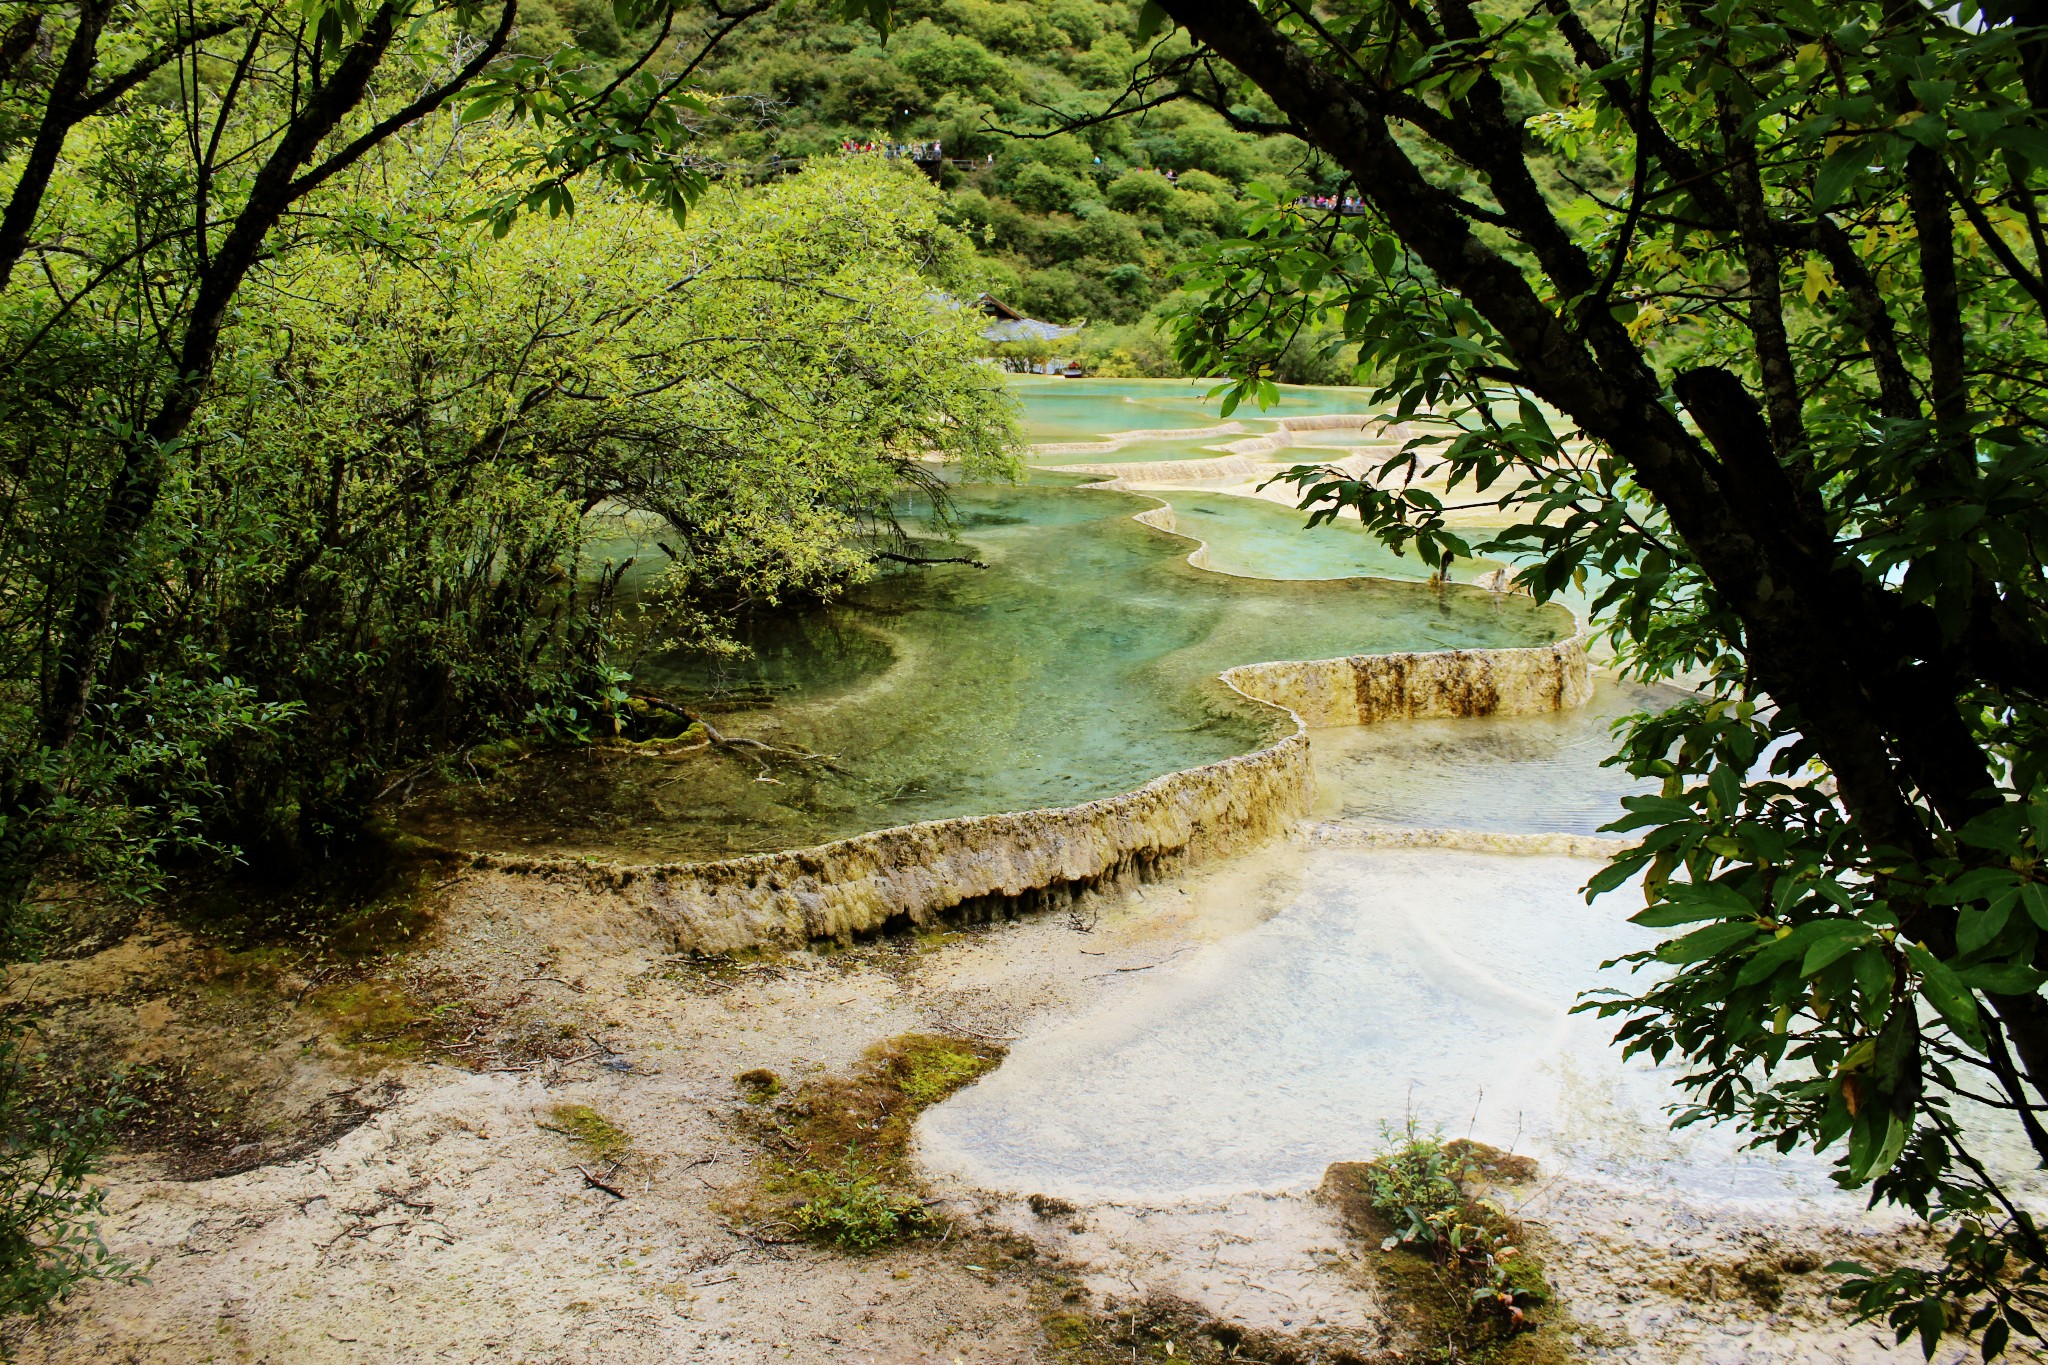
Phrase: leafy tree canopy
(1736, 311)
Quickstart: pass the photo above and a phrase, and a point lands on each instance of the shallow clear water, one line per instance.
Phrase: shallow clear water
(1149, 451)
(1519, 774)
(1261, 539)
(1092, 409)
(1428, 986)
(1081, 663)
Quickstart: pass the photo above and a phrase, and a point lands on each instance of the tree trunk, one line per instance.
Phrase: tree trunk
(65, 108)
(140, 477)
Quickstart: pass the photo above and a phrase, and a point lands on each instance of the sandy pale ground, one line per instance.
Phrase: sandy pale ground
(453, 1225)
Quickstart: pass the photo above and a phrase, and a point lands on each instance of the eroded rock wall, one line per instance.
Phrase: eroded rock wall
(1252, 460)
(1119, 439)
(1169, 471)
(1369, 688)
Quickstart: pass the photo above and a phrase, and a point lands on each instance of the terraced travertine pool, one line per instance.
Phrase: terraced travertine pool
(1383, 986)
(1121, 422)
(1254, 538)
(1080, 663)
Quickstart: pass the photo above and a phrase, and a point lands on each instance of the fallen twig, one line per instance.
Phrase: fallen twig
(921, 563)
(597, 1184)
(557, 980)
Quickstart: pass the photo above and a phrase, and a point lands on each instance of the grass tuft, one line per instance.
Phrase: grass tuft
(850, 1207)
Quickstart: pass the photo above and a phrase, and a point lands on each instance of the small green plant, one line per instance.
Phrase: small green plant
(1414, 1187)
(1419, 1187)
(49, 1151)
(848, 1205)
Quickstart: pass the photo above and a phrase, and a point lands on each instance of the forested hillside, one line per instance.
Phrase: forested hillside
(1088, 226)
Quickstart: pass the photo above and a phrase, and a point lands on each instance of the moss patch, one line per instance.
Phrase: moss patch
(833, 1167)
(759, 1085)
(1161, 1330)
(591, 1133)
(207, 1048)
(373, 1014)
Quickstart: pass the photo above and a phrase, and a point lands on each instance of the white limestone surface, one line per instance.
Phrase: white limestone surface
(1430, 984)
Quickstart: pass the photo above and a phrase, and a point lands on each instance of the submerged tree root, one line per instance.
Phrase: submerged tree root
(700, 735)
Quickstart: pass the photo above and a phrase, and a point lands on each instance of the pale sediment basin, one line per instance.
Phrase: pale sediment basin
(1425, 987)
(1390, 987)
(1357, 441)
(1255, 538)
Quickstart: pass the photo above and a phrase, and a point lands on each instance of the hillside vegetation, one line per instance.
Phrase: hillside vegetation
(1089, 226)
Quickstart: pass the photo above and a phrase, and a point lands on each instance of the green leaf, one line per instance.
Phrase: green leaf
(1933, 1322)
(1874, 976)
(1724, 898)
(1778, 951)
(1840, 940)
(1928, 130)
(1667, 913)
(1838, 172)
(2034, 896)
(1945, 991)
(2027, 142)
(2003, 978)
(1875, 1143)
(1976, 928)
(1151, 19)
(1932, 93)
(1711, 941)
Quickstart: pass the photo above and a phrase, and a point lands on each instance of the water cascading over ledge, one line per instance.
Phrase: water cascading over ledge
(916, 873)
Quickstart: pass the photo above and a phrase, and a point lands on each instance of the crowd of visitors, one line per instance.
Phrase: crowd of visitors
(915, 151)
(1350, 205)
